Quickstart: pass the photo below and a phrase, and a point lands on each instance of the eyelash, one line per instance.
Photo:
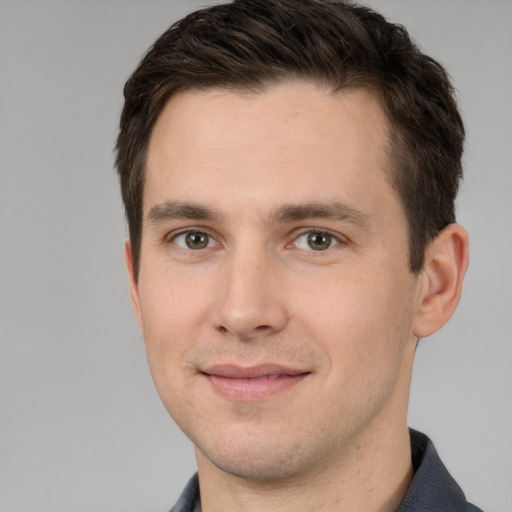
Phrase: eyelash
(334, 240)
(187, 232)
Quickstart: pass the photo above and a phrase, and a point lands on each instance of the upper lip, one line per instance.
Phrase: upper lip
(230, 371)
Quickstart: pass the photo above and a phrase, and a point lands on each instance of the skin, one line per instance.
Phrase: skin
(254, 175)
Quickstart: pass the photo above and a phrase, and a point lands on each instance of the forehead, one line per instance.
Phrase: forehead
(295, 138)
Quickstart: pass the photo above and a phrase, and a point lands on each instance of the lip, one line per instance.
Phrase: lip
(252, 383)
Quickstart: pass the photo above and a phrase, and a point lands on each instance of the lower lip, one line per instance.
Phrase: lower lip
(246, 390)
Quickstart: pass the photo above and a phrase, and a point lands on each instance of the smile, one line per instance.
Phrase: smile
(254, 383)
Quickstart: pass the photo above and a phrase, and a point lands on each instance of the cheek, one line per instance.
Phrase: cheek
(359, 320)
(365, 334)
(170, 301)
(172, 314)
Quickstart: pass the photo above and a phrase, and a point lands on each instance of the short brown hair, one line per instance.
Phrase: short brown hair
(248, 45)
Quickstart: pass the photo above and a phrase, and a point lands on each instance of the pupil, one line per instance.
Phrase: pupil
(318, 241)
(196, 240)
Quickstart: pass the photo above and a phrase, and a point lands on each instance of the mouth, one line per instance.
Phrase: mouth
(252, 383)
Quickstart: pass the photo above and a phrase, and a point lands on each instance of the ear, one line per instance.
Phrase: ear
(446, 261)
(133, 281)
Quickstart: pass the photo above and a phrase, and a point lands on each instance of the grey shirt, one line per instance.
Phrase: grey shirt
(432, 488)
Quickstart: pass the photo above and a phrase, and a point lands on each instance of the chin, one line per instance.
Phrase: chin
(265, 468)
(263, 458)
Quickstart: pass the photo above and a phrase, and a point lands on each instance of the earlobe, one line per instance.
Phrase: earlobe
(133, 281)
(446, 261)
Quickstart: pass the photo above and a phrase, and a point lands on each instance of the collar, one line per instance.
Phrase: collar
(432, 489)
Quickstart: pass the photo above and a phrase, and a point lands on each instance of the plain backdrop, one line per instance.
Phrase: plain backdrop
(81, 426)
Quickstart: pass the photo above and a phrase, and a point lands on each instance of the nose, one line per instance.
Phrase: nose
(250, 302)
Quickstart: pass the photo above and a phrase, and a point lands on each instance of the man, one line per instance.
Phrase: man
(289, 171)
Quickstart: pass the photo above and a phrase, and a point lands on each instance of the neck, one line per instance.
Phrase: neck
(373, 476)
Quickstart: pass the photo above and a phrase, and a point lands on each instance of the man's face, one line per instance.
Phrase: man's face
(274, 291)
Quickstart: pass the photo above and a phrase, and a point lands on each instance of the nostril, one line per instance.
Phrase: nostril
(263, 328)
(260, 329)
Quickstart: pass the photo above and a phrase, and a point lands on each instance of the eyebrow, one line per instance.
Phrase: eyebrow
(173, 210)
(178, 210)
(331, 211)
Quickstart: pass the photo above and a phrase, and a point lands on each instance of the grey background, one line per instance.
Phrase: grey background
(81, 427)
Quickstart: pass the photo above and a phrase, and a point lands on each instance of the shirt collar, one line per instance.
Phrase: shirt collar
(432, 488)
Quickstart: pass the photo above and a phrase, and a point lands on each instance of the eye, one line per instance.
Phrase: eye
(194, 240)
(316, 240)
